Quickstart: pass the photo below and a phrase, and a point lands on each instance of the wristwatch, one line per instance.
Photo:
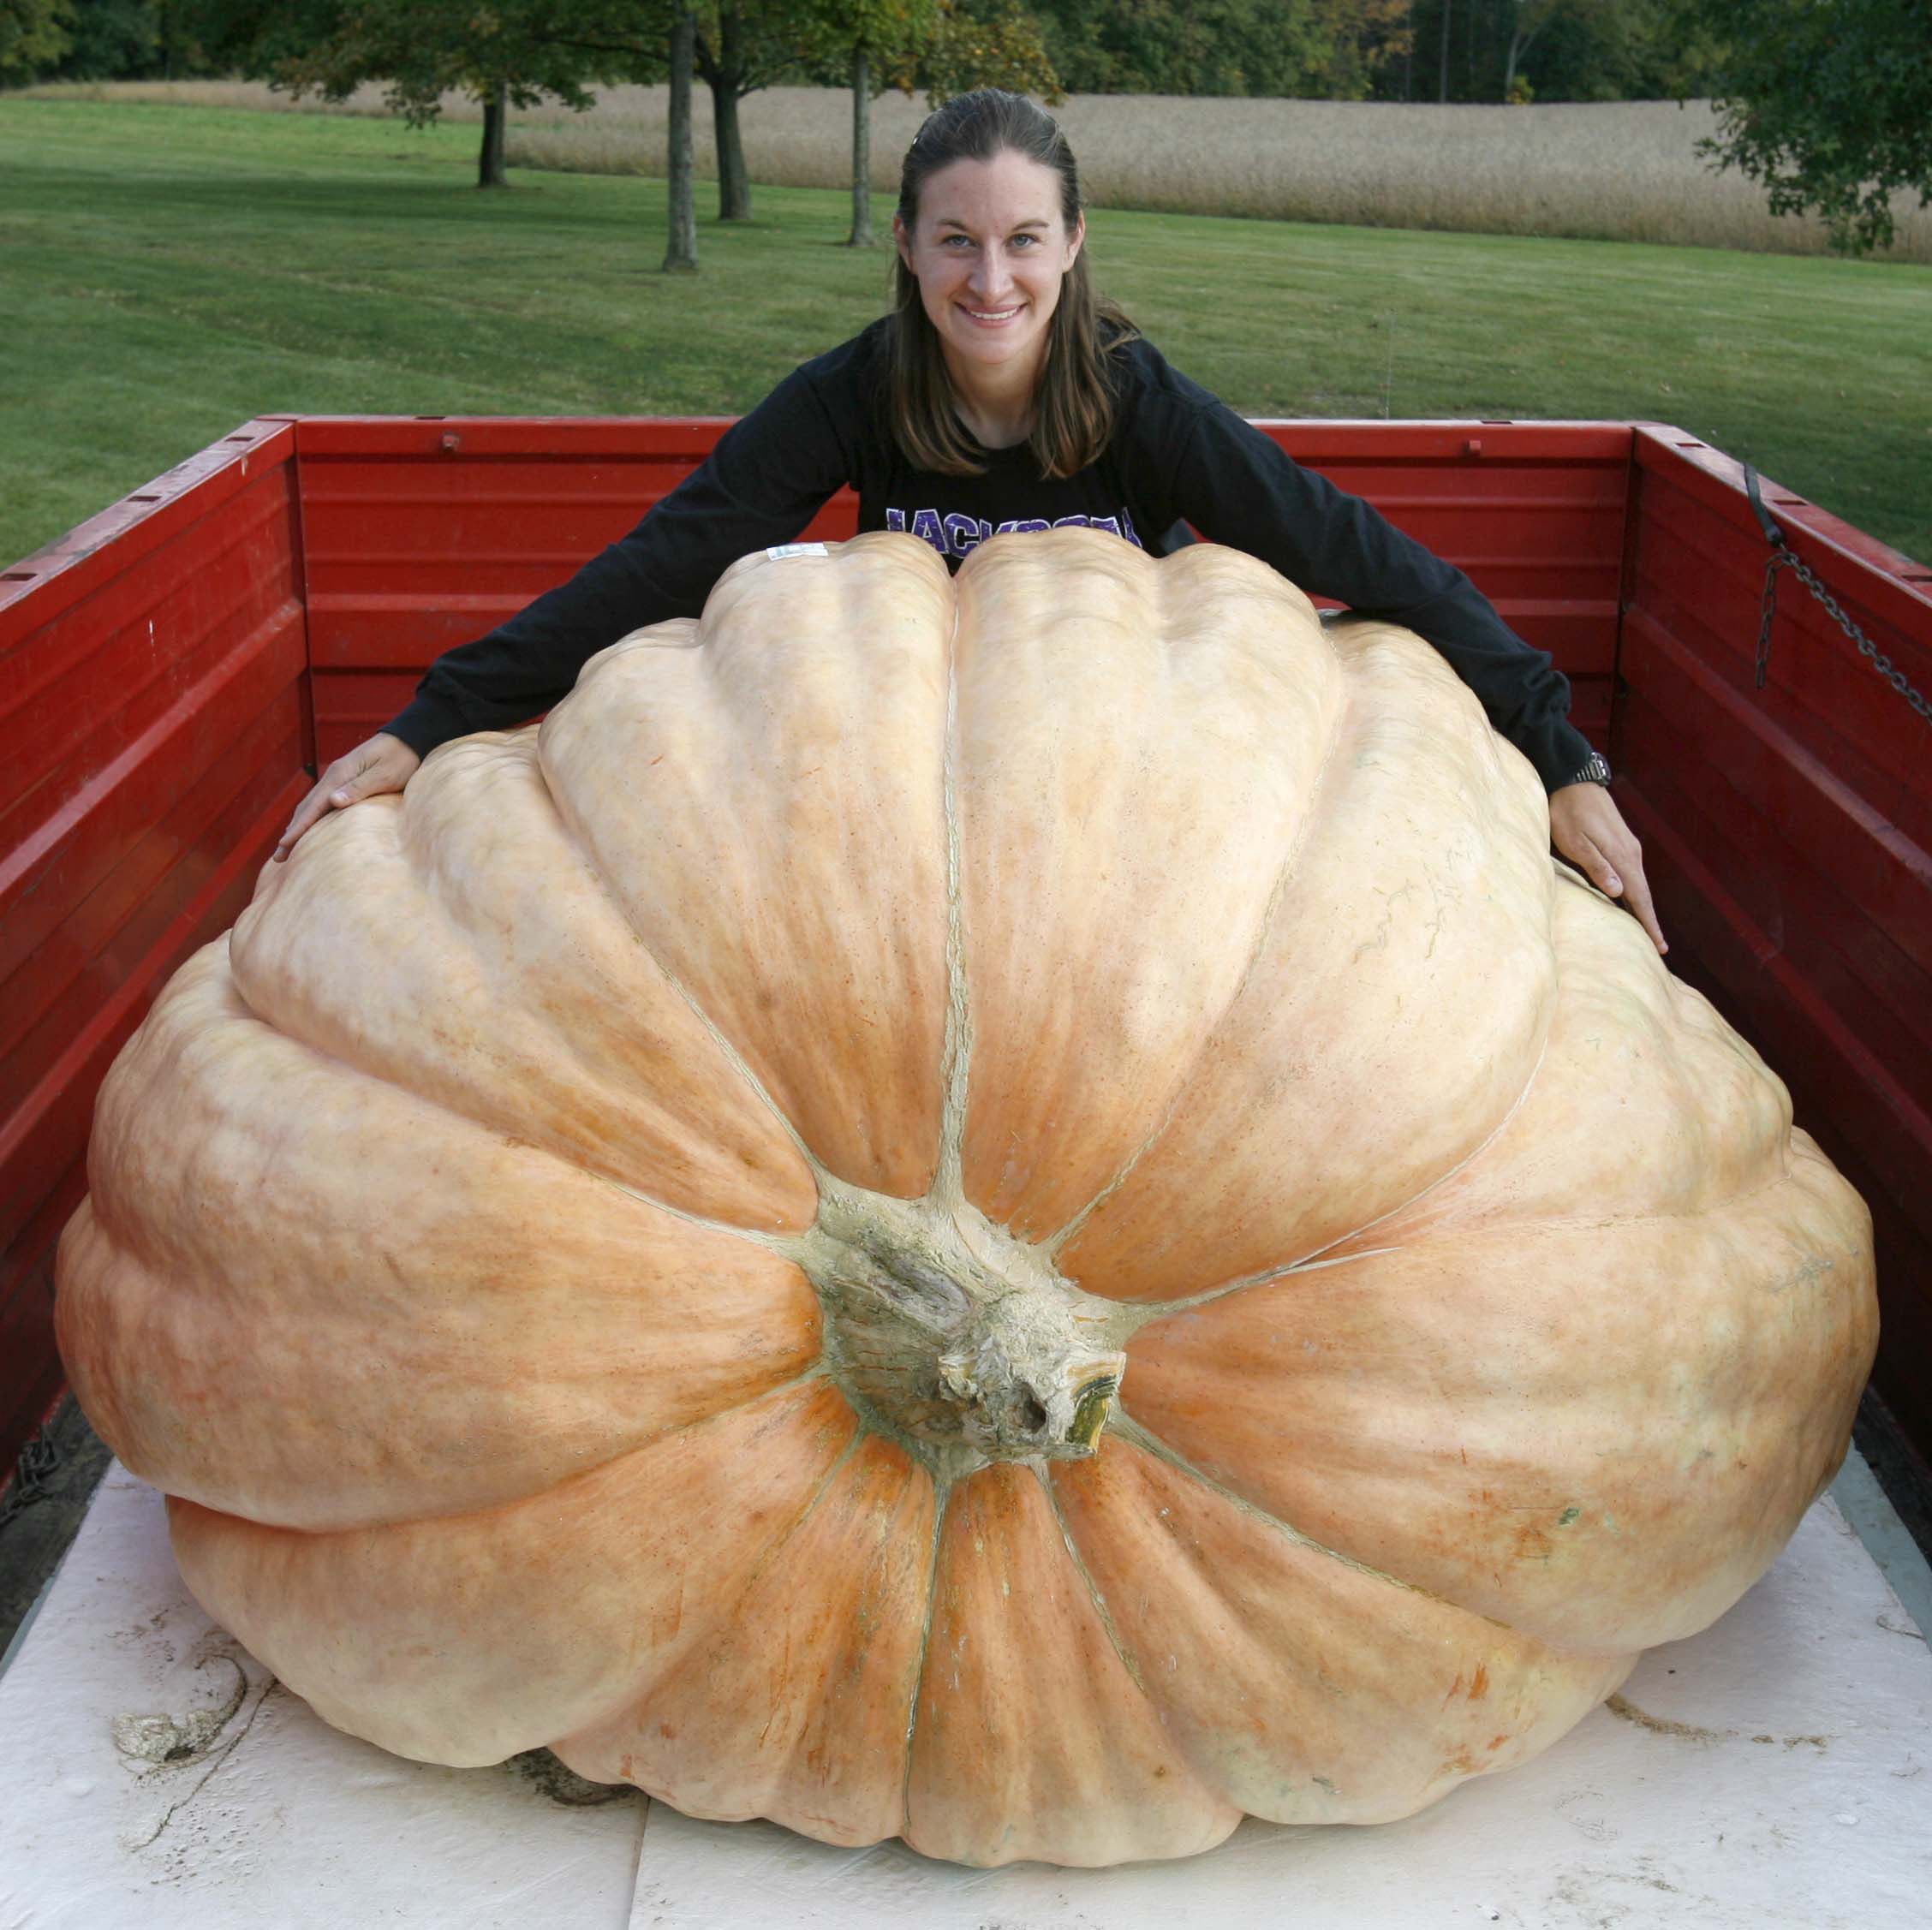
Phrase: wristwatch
(1596, 772)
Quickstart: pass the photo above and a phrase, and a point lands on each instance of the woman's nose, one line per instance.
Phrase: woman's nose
(989, 276)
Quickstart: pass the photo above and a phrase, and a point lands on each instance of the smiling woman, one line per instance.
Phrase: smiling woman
(1002, 397)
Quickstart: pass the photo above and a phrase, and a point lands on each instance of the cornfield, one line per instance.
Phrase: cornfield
(1623, 170)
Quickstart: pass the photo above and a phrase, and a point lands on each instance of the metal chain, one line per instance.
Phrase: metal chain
(1783, 556)
(1768, 614)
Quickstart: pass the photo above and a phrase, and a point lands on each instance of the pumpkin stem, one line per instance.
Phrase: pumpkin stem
(954, 1338)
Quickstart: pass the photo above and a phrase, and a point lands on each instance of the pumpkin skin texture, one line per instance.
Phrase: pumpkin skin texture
(1016, 1211)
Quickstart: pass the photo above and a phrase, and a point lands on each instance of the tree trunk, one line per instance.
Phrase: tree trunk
(489, 172)
(862, 235)
(1442, 91)
(681, 255)
(1521, 34)
(727, 84)
(734, 184)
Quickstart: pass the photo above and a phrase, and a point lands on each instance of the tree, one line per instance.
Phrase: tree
(741, 46)
(875, 44)
(1527, 18)
(34, 35)
(510, 53)
(1828, 104)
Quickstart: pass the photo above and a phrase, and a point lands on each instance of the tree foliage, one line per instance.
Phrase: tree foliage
(988, 44)
(1619, 49)
(1828, 104)
(1188, 46)
(1389, 50)
(179, 39)
(34, 35)
(521, 50)
(1547, 50)
(1367, 47)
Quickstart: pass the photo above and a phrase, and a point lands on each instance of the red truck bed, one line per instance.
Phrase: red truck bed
(172, 671)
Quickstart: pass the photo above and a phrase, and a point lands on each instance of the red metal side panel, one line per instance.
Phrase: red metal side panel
(425, 532)
(1789, 832)
(153, 731)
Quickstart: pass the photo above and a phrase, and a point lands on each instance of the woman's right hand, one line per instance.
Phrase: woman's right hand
(383, 764)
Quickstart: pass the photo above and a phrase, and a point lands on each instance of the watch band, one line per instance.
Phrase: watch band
(1597, 771)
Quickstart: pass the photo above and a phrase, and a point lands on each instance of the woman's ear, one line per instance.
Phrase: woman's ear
(1079, 235)
(902, 240)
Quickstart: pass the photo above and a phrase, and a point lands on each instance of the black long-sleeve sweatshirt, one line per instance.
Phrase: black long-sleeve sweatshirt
(1178, 456)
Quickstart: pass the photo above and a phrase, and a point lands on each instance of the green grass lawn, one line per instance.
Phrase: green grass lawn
(167, 272)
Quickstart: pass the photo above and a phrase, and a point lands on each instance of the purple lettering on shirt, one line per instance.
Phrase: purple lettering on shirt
(962, 534)
(955, 533)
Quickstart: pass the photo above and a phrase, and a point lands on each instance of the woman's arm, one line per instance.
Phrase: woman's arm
(767, 478)
(764, 481)
(1238, 487)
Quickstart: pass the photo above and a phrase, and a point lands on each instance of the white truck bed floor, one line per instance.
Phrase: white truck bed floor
(1775, 1770)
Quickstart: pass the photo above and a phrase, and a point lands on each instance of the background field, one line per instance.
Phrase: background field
(1619, 170)
(166, 272)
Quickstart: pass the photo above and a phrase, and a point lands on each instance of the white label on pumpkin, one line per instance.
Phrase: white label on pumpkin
(779, 550)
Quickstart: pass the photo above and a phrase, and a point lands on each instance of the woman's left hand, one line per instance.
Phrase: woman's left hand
(1588, 830)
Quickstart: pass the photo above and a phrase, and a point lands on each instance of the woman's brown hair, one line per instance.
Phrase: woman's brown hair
(1074, 405)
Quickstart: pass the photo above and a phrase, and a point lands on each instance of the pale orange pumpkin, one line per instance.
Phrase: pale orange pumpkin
(1019, 1212)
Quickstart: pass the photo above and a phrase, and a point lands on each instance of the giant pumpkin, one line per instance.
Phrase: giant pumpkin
(1016, 1211)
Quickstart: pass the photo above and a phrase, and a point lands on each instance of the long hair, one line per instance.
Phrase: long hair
(1074, 404)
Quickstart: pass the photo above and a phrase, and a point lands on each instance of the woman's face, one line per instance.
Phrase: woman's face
(989, 250)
